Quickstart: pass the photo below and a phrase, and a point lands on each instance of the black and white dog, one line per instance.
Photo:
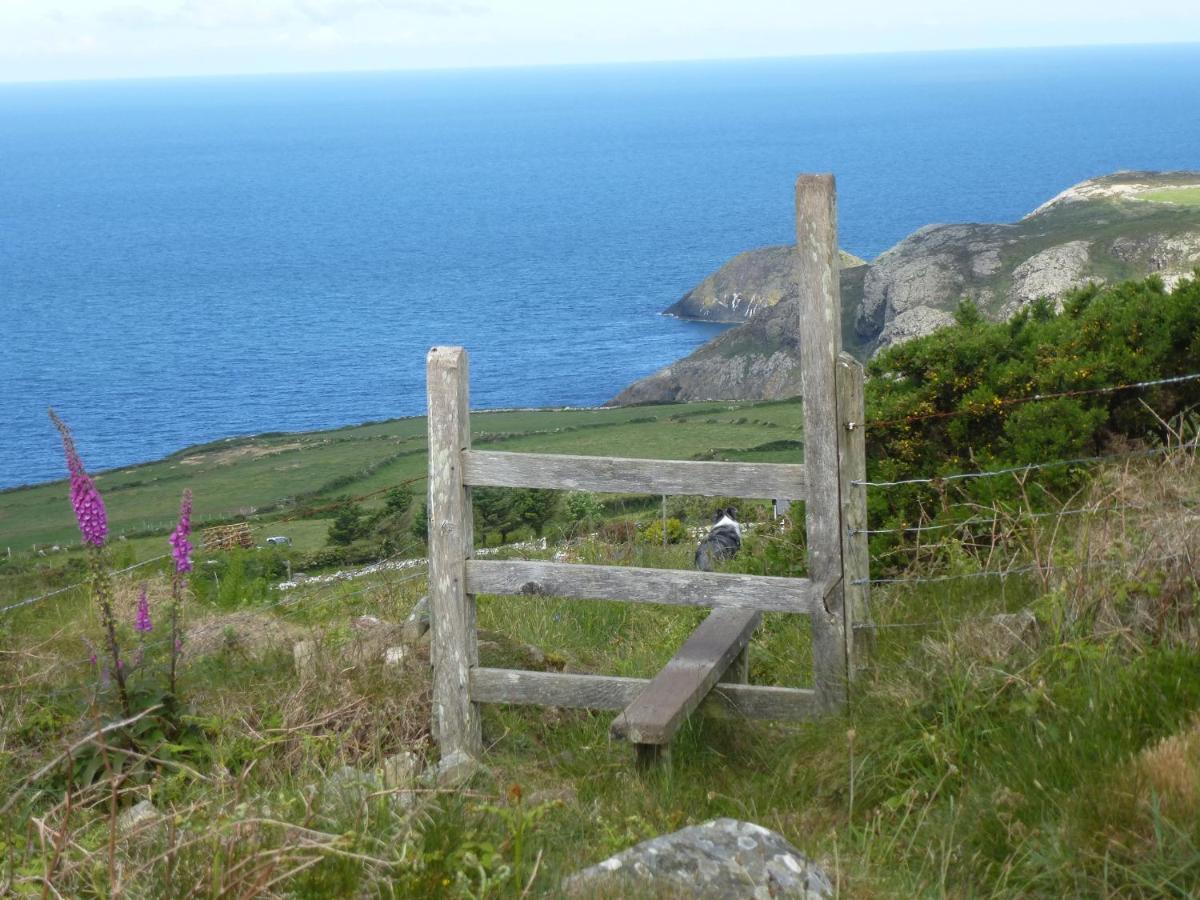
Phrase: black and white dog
(723, 541)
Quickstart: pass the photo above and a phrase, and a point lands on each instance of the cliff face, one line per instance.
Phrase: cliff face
(747, 284)
(1122, 226)
(1102, 231)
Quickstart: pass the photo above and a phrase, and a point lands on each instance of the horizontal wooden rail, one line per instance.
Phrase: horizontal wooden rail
(607, 692)
(608, 474)
(674, 587)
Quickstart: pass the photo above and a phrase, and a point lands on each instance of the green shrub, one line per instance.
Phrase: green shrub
(653, 533)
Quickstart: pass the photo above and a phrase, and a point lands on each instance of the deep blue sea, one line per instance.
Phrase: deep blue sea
(183, 260)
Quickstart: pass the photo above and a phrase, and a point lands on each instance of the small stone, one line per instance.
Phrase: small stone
(453, 771)
(137, 818)
(401, 769)
(534, 655)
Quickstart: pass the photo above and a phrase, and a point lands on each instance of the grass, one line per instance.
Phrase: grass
(1181, 196)
(272, 476)
(1058, 760)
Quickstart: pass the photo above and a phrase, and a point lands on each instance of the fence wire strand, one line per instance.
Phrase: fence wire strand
(70, 587)
(1014, 470)
(1044, 568)
(1002, 403)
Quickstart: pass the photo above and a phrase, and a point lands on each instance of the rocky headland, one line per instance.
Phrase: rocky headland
(1105, 230)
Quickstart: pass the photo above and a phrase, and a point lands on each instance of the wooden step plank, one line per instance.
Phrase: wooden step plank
(675, 587)
(606, 692)
(657, 713)
(608, 474)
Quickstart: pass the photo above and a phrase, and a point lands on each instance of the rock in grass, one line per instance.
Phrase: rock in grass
(401, 770)
(417, 622)
(138, 818)
(452, 771)
(723, 858)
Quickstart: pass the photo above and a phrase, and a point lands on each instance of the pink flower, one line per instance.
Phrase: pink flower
(85, 499)
(181, 547)
(142, 623)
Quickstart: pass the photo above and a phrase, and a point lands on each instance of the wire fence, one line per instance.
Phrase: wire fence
(985, 407)
(1020, 469)
(29, 601)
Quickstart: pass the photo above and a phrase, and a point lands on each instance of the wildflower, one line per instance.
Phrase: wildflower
(142, 623)
(85, 499)
(181, 547)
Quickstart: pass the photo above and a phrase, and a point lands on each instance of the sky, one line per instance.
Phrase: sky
(43, 40)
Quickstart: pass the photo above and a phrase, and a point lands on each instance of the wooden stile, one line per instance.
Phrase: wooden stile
(710, 672)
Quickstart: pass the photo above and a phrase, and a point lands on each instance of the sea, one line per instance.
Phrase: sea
(190, 259)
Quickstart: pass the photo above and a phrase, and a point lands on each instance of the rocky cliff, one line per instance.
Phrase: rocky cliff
(747, 284)
(1122, 226)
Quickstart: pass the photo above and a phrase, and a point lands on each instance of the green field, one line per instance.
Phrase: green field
(1182, 196)
(269, 477)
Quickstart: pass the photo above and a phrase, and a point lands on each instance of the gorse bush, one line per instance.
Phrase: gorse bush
(968, 396)
(653, 533)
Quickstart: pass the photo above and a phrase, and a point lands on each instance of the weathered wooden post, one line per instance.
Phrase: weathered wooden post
(818, 282)
(856, 555)
(453, 645)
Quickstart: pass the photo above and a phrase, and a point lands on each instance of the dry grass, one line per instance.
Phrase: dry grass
(1168, 775)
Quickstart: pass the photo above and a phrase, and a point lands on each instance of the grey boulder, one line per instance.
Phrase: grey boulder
(719, 859)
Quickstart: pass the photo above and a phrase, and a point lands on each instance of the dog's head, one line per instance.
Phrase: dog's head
(728, 512)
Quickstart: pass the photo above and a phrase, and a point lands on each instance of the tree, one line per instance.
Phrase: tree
(398, 500)
(347, 525)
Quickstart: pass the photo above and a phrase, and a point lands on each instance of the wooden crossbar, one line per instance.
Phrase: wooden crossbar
(672, 587)
(607, 692)
(659, 710)
(607, 474)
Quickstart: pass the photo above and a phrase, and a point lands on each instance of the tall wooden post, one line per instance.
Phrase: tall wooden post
(453, 646)
(818, 282)
(856, 556)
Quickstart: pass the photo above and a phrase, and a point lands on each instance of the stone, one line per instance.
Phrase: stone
(534, 655)
(417, 622)
(137, 819)
(400, 770)
(452, 771)
(723, 858)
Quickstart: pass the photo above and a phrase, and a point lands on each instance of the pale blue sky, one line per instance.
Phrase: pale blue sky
(71, 39)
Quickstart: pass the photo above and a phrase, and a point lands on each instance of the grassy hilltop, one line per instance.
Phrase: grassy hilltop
(1028, 724)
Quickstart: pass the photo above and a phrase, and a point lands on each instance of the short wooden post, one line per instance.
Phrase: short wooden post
(856, 556)
(453, 645)
(820, 327)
